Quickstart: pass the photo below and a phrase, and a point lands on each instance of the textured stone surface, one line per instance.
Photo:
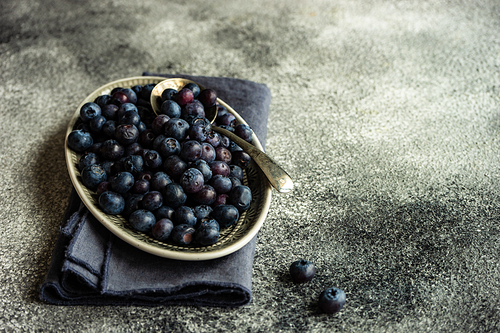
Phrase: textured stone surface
(386, 114)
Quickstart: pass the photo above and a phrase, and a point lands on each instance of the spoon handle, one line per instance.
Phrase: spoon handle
(278, 177)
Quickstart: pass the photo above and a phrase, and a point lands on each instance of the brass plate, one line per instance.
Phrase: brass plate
(231, 239)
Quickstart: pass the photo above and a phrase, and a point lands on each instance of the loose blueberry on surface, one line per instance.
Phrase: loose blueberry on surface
(79, 140)
(111, 203)
(182, 234)
(93, 175)
(302, 271)
(142, 220)
(332, 300)
(162, 229)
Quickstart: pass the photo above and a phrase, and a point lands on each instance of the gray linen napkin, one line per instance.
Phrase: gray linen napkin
(92, 266)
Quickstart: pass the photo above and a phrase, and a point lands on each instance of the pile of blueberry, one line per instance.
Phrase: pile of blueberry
(331, 300)
(170, 175)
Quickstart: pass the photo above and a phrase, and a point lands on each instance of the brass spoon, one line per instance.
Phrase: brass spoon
(277, 177)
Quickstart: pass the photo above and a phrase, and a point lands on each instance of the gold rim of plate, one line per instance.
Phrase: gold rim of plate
(231, 239)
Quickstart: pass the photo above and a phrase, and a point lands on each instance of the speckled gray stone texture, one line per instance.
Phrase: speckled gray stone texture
(385, 113)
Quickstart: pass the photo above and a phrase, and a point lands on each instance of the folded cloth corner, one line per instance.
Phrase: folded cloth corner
(91, 266)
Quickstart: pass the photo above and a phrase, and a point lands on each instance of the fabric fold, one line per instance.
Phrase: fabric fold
(91, 266)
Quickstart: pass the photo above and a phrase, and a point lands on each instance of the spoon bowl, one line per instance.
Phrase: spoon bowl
(277, 176)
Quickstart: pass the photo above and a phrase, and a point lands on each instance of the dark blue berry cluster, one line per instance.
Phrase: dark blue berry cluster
(170, 175)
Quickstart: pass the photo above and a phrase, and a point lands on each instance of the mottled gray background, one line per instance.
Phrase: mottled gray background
(385, 113)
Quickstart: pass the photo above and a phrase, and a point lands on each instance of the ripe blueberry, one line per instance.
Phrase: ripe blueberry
(302, 271)
(332, 300)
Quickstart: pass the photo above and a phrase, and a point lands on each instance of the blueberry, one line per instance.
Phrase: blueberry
(202, 212)
(203, 166)
(167, 94)
(146, 91)
(207, 97)
(221, 199)
(192, 110)
(227, 119)
(173, 195)
(206, 235)
(236, 171)
(124, 108)
(108, 128)
(162, 229)
(182, 234)
(159, 180)
(183, 96)
(225, 215)
(209, 222)
(171, 109)
(235, 182)
(166, 212)
(152, 200)
(111, 150)
(174, 166)
(221, 184)
(141, 186)
(122, 182)
(332, 300)
(102, 101)
(133, 149)
(87, 159)
(184, 215)
(213, 138)
(240, 197)
(130, 118)
(190, 150)
(146, 138)
(93, 175)
(302, 271)
(240, 158)
(176, 128)
(141, 127)
(110, 111)
(152, 159)
(207, 152)
(219, 168)
(157, 141)
(223, 154)
(194, 88)
(244, 132)
(132, 203)
(111, 203)
(158, 124)
(192, 180)
(205, 196)
(131, 95)
(126, 134)
(96, 124)
(198, 132)
(133, 164)
(169, 146)
(142, 220)
(79, 140)
(89, 110)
